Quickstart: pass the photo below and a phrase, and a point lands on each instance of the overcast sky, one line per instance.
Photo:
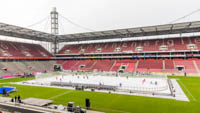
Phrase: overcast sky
(97, 14)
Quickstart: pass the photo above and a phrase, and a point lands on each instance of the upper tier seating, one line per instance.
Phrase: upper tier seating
(169, 44)
(16, 49)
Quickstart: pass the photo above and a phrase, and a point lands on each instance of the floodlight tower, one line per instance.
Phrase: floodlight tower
(54, 29)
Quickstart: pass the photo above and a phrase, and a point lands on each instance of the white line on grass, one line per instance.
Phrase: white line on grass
(61, 94)
(188, 91)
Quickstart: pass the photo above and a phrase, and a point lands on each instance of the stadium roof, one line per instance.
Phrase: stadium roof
(186, 27)
(178, 28)
(20, 32)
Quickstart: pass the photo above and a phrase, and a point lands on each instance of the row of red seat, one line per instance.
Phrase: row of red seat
(172, 66)
(170, 44)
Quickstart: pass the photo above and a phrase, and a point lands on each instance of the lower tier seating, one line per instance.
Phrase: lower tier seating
(21, 67)
(152, 65)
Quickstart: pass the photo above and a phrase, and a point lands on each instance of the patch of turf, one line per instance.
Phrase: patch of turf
(15, 79)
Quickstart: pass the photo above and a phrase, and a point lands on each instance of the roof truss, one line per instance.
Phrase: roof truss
(186, 27)
(20, 32)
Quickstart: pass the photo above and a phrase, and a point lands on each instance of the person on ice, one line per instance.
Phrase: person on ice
(156, 83)
(120, 84)
(143, 81)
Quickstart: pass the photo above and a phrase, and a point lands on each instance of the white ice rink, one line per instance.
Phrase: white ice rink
(142, 86)
(129, 83)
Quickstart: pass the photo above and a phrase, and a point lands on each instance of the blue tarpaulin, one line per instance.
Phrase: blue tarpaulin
(8, 89)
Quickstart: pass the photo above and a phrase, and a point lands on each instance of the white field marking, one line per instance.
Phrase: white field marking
(188, 91)
(61, 94)
(118, 111)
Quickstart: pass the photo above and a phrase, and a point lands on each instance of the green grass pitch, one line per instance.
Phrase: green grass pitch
(15, 79)
(115, 103)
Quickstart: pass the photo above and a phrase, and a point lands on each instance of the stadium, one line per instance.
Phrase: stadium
(146, 69)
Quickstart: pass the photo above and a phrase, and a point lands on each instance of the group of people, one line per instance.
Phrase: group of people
(85, 76)
(156, 83)
(16, 99)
